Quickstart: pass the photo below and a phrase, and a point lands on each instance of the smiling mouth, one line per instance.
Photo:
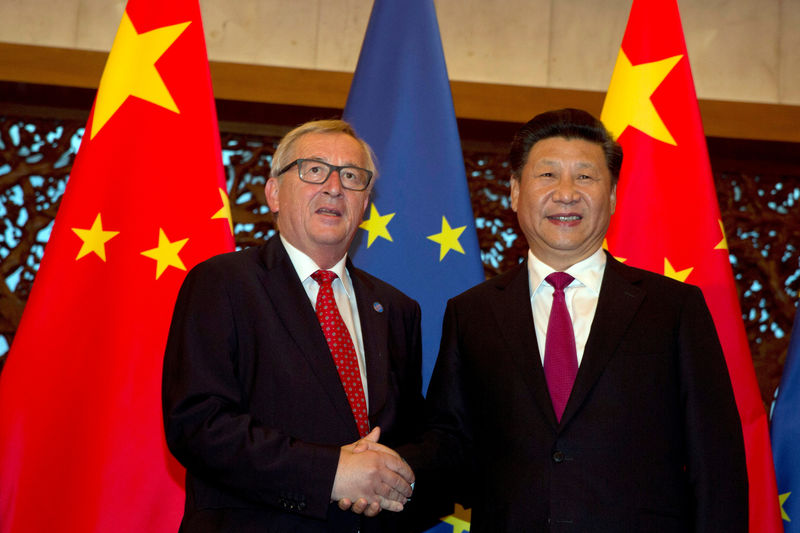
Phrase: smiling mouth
(565, 218)
(329, 212)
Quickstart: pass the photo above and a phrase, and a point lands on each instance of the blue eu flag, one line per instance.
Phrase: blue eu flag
(419, 231)
(785, 434)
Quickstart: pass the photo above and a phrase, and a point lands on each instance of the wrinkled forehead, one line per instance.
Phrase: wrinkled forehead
(332, 147)
(574, 152)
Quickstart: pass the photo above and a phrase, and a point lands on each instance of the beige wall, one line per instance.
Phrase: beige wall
(740, 50)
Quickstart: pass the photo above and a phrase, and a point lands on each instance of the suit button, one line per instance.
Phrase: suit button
(558, 457)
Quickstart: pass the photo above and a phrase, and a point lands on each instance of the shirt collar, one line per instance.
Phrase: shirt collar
(305, 266)
(589, 272)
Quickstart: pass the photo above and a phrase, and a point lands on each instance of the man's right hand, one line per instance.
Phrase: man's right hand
(371, 477)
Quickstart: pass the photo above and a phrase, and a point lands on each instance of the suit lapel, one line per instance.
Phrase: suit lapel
(515, 320)
(374, 333)
(294, 310)
(618, 303)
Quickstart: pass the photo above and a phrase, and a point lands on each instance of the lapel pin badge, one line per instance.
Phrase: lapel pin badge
(377, 307)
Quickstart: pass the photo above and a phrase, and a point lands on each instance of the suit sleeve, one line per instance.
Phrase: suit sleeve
(208, 425)
(716, 463)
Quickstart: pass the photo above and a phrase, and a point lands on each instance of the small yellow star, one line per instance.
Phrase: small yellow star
(131, 70)
(225, 210)
(459, 526)
(448, 239)
(782, 499)
(94, 239)
(376, 225)
(680, 275)
(628, 100)
(605, 247)
(723, 244)
(166, 253)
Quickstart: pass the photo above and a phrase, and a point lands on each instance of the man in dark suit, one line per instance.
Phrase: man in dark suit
(282, 357)
(593, 400)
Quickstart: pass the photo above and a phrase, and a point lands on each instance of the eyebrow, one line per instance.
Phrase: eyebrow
(557, 163)
(324, 160)
(584, 164)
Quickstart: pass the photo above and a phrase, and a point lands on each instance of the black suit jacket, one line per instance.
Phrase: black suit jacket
(650, 439)
(253, 405)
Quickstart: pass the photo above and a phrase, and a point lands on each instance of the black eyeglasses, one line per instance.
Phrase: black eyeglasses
(318, 172)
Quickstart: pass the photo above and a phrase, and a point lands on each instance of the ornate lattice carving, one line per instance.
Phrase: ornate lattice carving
(247, 160)
(761, 214)
(36, 160)
(760, 211)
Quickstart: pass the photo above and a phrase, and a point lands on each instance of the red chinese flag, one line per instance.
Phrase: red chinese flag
(82, 445)
(667, 218)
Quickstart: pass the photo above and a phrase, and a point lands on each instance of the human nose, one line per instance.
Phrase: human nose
(565, 191)
(333, 185)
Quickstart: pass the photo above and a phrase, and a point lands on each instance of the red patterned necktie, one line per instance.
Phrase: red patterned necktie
(341, 346)
(560, 355)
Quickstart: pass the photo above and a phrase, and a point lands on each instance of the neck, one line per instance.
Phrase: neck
(561, 262)
(325, 258)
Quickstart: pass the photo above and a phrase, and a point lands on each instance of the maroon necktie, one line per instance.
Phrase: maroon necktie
(560, 355)
(341, 346)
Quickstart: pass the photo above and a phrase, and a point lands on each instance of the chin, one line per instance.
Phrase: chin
(331, 238)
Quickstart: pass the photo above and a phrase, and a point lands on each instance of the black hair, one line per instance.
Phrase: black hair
(570, 124)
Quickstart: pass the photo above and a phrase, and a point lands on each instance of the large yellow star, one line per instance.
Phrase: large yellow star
(670, 272)
(376, 225)
(628, 99)
(166, 253)
(94, 239)
(782, 499)
(225, 210)
(723, 244)
(448, 239)
(131, 70)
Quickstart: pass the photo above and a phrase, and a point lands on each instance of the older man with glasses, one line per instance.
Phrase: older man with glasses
(282, 357)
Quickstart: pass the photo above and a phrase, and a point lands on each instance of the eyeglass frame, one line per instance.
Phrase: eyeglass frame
(331, 168)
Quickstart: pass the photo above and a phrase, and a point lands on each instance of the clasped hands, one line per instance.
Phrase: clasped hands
(371, 477)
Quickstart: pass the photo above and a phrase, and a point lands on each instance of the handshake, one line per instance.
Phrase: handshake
(371, 477)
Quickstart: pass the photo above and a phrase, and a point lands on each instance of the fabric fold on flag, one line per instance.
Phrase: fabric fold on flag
(651, 107)
(82, 445)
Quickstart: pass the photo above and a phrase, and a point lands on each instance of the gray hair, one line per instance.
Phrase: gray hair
(284, 155)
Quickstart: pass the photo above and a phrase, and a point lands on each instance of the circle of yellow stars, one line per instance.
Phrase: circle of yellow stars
(377, 226)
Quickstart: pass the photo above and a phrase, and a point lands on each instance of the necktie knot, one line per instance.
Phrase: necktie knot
(324, 277)
(559, 280)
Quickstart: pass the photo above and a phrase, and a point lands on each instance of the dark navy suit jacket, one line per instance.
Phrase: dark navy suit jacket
(253, 405)
(650, 439)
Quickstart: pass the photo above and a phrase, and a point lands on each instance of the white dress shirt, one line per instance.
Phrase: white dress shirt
(344, 295)
(581, 296)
